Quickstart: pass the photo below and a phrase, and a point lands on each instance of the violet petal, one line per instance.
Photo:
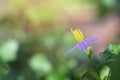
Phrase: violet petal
(69, 51)
(82, 46)
(91, 39)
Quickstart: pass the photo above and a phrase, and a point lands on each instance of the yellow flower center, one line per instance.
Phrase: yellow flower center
(78, 35)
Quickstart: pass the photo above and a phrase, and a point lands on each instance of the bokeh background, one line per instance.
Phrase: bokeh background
(35, 35)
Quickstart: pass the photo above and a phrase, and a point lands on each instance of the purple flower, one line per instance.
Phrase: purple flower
(82, 43)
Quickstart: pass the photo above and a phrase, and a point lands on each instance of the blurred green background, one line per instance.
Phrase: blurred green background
(35, 35)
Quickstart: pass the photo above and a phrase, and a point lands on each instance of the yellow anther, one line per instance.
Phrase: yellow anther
(78, 35)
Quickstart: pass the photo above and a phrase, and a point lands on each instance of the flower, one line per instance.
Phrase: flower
(82, 43)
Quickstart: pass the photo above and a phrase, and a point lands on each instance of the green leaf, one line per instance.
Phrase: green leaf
(115, 49)
(110, 52)
(94, 74)
(83, 74)
(104, 73)
(106, 56)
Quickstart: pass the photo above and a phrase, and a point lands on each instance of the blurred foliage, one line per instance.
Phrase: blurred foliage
(39, 63)
(9, 48)
(110, 52)
(105, 73)
(33, 42)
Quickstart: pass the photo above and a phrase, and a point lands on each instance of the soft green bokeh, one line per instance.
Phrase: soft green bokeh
(40, 63)
(8, 50)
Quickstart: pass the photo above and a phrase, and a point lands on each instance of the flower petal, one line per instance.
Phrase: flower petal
(91, 39)
(82, 46)
(69, 51)
(78, 35)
